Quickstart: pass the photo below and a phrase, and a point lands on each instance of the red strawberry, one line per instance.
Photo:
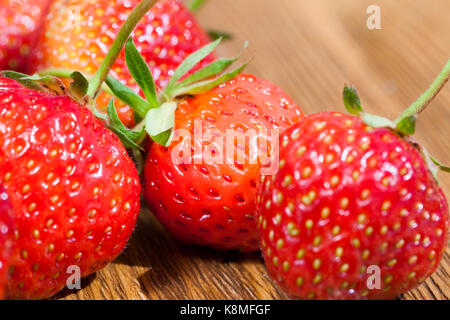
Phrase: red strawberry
(73, 189)
(20, 22)
(347, 197)
(213, 204)
(6, 238)
(80, 32)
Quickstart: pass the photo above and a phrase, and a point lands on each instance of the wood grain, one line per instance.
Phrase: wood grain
(309, 48)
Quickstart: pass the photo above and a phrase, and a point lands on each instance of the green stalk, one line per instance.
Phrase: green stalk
(424, 100)
(136, 15)
(59, 72)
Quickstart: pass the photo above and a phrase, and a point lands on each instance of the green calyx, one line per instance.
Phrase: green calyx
(351, 100)
(405, 124)
(217, 34)
(129, 138)
(52, 84)
(156, 112)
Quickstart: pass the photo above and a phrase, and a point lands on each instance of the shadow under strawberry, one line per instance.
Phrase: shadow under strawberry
(152, 246)
(66, 292)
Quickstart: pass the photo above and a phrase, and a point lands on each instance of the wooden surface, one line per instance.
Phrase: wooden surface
(309, 48)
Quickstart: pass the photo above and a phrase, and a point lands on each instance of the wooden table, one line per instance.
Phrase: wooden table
(309, 48)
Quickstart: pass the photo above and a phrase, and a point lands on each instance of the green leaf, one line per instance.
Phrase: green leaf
(79, 85)
(12, 74)
(377, 121)
(31, 82)
(128, 96)
(194, 5)
(215, 34)
(140, 72)
(207, 85)
(164, 138)
(191, 61)
(351, 100)
(159, 122)
(47, 83)
(99, 115)
(407, 126)
(440, 166)
(211, 70)
(127, 136)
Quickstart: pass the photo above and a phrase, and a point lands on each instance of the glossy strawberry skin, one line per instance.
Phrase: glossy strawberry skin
(73, 189)
(214, 204)
(79, 34)
(6, 238)
(347, 197)
(21, 24)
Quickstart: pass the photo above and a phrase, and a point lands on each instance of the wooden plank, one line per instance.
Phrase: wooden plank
(309, 48)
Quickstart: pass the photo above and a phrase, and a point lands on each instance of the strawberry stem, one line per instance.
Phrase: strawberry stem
(136, 15)
(424, 100)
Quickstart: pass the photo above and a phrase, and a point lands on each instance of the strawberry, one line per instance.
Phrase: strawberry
(213, 204)
(73, 189)
(350, 204)
(200, 90)
(21, 23)
(79, 33)
(6, 237)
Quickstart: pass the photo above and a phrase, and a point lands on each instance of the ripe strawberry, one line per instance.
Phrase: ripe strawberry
(6, 238)
(348, 196)
(80, 32)
(73, 189)
(208, 203)
(21, 23)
